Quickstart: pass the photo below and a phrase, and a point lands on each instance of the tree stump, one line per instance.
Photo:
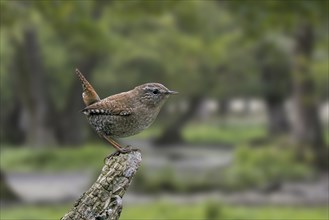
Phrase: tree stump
(103, 200)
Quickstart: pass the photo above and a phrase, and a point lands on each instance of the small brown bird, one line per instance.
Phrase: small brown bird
(124, 114)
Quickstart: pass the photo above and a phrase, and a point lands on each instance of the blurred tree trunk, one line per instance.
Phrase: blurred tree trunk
(307, 131)
(172, 133)
(275, 77)
(276, 81)
(223, 111)
(31, 85)
(10, 130)
(223, 107)
(71, 123)
(277, 118)
(6, 193)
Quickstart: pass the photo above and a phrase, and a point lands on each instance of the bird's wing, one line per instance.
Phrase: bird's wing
(113, 105)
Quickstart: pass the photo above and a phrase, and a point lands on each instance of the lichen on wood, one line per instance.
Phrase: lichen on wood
(103, 200)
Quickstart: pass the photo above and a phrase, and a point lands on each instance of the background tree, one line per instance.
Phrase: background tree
(275, 76)
(296, 20)
(49, 109)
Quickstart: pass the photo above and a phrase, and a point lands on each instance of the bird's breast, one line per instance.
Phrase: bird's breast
(139, 121)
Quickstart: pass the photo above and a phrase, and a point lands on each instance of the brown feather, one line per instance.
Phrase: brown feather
(89, 95)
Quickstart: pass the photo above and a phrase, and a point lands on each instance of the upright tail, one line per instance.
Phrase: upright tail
(89, 95)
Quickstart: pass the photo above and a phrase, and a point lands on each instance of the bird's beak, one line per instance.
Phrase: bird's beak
(172, 92)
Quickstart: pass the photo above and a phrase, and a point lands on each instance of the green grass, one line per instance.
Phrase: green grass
(27, 159)
(231, 133)
(195, 133)
(165, 210)
(291, 213)
(33, 212)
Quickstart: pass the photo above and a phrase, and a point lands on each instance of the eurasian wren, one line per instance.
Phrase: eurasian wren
(124, 114)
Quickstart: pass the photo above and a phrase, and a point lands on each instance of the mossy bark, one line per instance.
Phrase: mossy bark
(103, 200)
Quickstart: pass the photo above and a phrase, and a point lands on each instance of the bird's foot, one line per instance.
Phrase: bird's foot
(125, 150)
(128, 149)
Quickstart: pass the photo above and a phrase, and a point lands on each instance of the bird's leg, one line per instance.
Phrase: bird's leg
(113, 143)
(118, 147)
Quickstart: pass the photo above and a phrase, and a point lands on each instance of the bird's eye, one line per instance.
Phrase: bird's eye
(156, 91)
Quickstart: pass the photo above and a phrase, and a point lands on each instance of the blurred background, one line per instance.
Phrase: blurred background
(247, 136)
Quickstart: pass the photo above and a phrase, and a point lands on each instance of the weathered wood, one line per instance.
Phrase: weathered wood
(103, 200)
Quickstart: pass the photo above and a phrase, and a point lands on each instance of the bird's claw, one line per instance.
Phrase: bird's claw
(128, 149)
(125, 150)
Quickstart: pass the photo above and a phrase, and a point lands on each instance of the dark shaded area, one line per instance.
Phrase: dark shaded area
(274, 74)
(6, 193)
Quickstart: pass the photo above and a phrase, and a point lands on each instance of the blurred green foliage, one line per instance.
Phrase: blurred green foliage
(253, 167)
(227, 134)
(166, 181)
(170, 183)
(29, 159)
(165, 210)
(263, 166)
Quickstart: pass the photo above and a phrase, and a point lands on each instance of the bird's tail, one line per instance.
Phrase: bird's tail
(89, 95)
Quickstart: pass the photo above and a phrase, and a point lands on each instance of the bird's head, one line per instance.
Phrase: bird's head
(154, 94)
